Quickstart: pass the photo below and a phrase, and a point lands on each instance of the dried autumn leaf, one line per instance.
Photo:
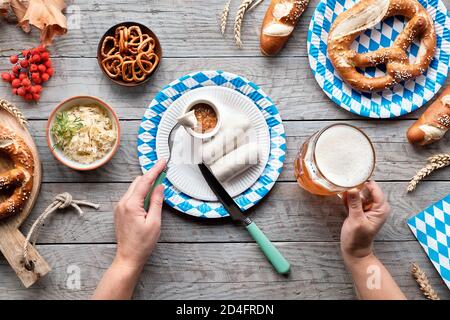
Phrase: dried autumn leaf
(4, 7)
(44, 14)
(47, 16)
(19, 7)
(13, 10)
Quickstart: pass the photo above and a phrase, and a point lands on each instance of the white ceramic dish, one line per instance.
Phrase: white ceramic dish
(59, 154)
(186, 176)
(216, 129)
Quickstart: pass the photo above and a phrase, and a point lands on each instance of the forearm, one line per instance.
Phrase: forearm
(118, 282)
(372, 280)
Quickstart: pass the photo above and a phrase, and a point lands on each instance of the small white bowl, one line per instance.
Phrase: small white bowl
(211, 133)
(59, 154)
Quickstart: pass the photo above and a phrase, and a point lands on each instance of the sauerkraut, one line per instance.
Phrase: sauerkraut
(93, 137)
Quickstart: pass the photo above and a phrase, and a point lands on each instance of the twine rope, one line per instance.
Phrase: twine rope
(61, 201)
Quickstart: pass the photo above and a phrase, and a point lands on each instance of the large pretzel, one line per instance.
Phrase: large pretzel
(17, 183)
(365, 15)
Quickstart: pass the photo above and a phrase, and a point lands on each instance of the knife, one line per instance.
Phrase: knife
(280, 264)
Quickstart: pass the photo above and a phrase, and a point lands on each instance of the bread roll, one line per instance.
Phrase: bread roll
(279, 23)
(434, 123)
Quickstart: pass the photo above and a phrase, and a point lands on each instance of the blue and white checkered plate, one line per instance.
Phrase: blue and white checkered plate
(403, 98)
(164, 99)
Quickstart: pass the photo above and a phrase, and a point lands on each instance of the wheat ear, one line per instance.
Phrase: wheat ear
(224, 17)
(238, 21)
(434, 163)
(253, 6)
(14, 111)
(423, 282)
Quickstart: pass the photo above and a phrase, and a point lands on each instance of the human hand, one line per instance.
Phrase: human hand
(137, 231)
(361, 227)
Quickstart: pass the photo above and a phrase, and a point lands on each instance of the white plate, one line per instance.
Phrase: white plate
(187, 177)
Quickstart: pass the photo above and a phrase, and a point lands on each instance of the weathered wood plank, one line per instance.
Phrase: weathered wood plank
(396, 158)
(288, 81)
(178, 24)
(287, 214)
(221, 271)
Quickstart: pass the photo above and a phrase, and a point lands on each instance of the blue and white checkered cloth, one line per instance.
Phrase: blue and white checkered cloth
(402, 98)
(149, 128)
(432, 229)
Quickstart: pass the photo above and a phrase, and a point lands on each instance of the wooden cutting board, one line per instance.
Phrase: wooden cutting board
(11, 239)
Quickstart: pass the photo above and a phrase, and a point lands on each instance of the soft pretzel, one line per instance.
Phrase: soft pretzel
(279, 23)
(129, 55)
(434, 123)
(365, 15)
(17, 182)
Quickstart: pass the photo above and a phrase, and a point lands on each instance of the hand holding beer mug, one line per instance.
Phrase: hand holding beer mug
(334, 160)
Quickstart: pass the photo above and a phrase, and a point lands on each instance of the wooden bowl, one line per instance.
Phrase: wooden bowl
(145, 30)
(59, 154)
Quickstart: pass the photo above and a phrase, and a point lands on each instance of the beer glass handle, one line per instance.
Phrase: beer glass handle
(275, 257)
(366, 198)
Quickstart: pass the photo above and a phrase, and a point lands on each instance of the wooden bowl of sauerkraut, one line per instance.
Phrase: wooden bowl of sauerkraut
(83, 133)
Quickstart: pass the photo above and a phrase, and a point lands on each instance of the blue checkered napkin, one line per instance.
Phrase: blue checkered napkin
(401, 99)
(432, 228)
(149, 127)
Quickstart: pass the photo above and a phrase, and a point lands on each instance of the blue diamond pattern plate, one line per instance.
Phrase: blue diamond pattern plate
(401, 99)
(146, 144)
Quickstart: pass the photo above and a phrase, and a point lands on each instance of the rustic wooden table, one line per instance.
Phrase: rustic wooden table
(198, 259)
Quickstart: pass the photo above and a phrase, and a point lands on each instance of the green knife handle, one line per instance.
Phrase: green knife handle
(157, 182)
(280, 264)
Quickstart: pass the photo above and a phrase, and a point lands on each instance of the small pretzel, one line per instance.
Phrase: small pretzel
(138, 74)
(347, 27)
(149, 42)
(127, 70)
(112, 65)
(105, 45)
(135, 31)
(124, 31)
(122, 41)
(134, 44)
(145, 63)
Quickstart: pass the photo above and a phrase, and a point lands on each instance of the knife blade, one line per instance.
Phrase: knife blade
(279, 262)
(223, 196)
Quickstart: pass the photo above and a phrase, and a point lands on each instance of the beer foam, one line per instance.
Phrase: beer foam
(344, 156)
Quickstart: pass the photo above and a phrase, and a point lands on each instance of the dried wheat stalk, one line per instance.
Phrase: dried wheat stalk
(224, 17)
(238, 21)
(424, 284)
(434, 163)
(253, 6)
(14, 111)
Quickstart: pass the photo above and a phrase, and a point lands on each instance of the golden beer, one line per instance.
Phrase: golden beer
(338, 158)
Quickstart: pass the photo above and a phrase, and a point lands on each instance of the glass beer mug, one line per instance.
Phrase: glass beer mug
(334, 160)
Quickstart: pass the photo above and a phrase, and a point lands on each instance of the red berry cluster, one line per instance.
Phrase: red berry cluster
(30, 69)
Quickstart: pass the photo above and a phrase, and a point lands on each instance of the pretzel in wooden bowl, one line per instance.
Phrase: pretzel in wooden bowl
(365, 15)
(129, 55)
(15, 184)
